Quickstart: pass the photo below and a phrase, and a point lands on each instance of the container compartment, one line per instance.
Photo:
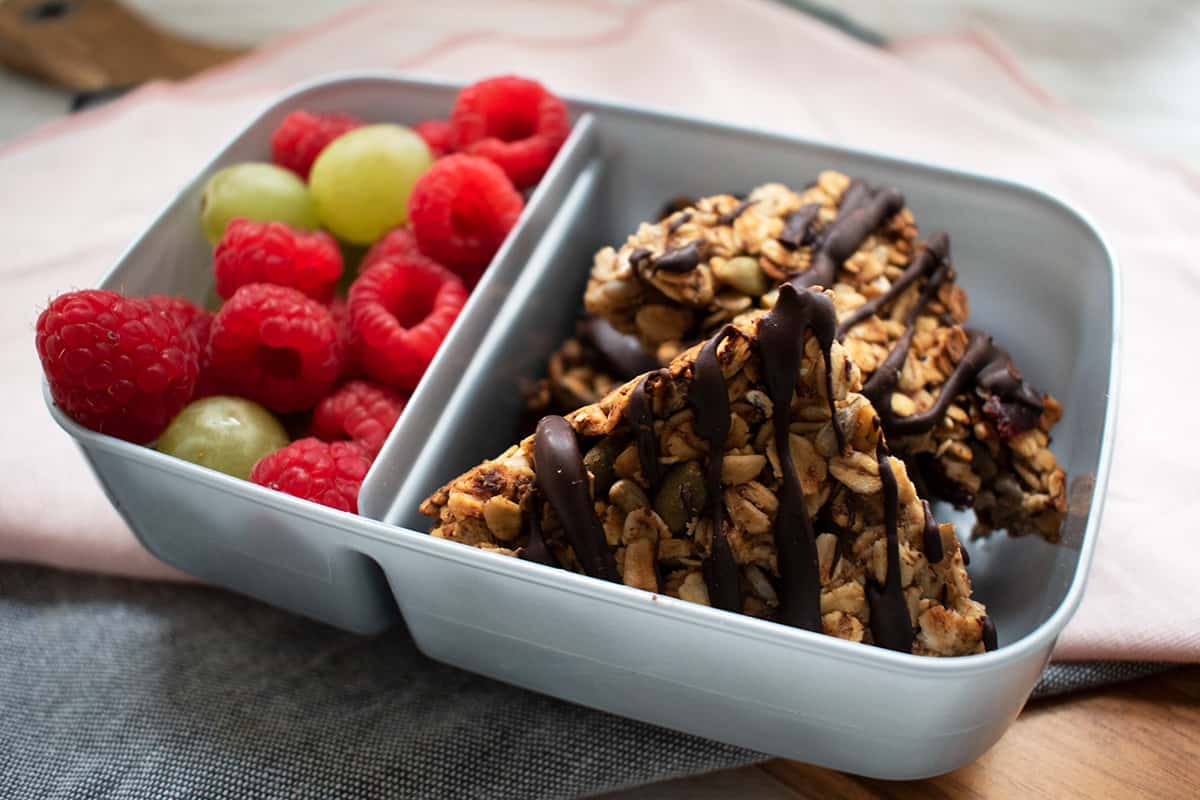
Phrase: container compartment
(1041, 280)
(231, 533)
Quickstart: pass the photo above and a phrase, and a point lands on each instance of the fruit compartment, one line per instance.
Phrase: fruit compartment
(729, 677)
(232, 533)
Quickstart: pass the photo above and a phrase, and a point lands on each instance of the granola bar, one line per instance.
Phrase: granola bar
(749, 474)
(952, 403)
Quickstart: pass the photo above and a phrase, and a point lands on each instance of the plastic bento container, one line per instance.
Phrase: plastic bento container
(1041, 279)
(243, 537)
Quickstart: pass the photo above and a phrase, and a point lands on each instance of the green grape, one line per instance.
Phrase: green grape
(361, 181)
(261, 192)
(229, 434)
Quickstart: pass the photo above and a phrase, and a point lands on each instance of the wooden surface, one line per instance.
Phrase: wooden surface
(1140, 739)
(1132, 740)
(91, 45)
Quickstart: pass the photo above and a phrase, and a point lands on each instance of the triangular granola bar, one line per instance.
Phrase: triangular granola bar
(745, 475)
(952, 403)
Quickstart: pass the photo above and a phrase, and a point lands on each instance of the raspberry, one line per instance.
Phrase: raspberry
(512, 121)
(271, 252)
(273, 345)
(400, 311)
(197, 322)
(192, 318)
(436, 133)
(460, 210)
(329, 473)
(302, 136)
(396, 242)
(339, 311)
(116, 365)
(359, 411)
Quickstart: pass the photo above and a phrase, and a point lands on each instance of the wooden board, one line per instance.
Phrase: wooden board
(92, 45)
(1140, 739)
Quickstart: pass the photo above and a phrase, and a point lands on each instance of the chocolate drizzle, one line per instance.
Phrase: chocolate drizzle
(887, 375)
(983, 363)
(731, 215)
(640, 413)
(861, 211)
(855, 197)
(679, 222)
(982, 357)
(781, 341)
(563, 479)
(709, 398)
(932, 536)
(891, 626)
(989, 635)
(679, 259)
(936, 250)
(797, 226)
(621, 353)
(535, 548)
(639, 254)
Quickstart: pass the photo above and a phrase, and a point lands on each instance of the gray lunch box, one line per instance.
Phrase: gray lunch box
(1040, 277)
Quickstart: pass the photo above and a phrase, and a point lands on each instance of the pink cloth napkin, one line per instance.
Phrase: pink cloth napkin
(78, 190)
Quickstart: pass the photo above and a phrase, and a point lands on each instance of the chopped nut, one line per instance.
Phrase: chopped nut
(693, 589)
(644, 524)
(858, 471)
(639, 565)
(742, 273)
(662, 323)
(503, 518)
(843, 626)
(761, 587)
(741, 468)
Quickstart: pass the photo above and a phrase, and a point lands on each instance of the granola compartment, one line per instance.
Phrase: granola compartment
(903, 319)
(656, 657)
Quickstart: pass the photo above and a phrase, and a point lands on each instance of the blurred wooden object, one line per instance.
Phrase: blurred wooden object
(1138, 739)
(93, 45)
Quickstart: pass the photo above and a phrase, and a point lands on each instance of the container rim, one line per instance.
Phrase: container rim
(679, 610)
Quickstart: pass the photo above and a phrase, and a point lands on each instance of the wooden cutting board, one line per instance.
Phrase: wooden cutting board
(95, 45)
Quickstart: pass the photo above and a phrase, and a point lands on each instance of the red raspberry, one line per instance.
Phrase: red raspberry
(359, 411)
(329, 473)
(339, 310)
(436, 133)
(117, 365)
(396, 242)
(191, 318)
(271, 252)
(512, 121)
(461, 209)
(276, 346)
(302, 136)
(400, 311)
(197, 322)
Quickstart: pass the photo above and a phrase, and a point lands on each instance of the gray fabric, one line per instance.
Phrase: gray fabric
(1074, 677)
(119, 689)
(122, 689)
